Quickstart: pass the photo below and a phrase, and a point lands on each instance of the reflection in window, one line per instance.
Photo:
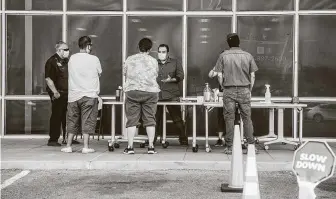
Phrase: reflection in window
(265, 5)
(270, 41)
(29, 117)
(167, 30)
(154, 5)
(317, 72)
(34, 5)
(106, 35)
(319, 120)
(317, 5)
(30, 43)
(206, 40)
(94, 5)
(200, 5)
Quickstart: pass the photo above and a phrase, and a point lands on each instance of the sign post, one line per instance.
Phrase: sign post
(313, 163)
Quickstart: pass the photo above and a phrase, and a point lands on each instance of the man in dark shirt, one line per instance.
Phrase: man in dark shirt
(170, 75)
(236, 73)
(56, 76)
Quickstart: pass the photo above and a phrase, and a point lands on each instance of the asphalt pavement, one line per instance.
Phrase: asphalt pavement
(184, 184)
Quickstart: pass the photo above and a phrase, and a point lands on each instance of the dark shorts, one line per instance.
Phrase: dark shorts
(140, 105)
(82, 115)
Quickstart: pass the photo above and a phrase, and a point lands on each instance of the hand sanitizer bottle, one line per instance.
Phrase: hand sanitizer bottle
(267, 94)
(207, 93)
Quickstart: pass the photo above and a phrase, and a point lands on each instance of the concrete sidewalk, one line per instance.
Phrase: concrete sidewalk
(35, 154)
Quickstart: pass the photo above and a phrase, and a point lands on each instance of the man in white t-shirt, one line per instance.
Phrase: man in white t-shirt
(84, 72)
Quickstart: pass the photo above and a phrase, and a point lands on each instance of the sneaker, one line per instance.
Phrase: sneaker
(129, 151)
(151, 151)
(88, 150)
(228, 150)
(54, 144)
(67, 150)
(219, 143)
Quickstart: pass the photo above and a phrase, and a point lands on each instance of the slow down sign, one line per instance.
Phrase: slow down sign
(313, 163)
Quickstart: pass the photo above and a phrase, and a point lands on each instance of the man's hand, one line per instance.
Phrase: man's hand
(57, 95)
(169, 79)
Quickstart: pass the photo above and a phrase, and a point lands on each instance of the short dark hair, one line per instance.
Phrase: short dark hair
(233, 41)
(164, 45)
(145, 45)
(84, 41)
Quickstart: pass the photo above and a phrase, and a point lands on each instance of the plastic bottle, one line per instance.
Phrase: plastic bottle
(207, 93)
(267, 94)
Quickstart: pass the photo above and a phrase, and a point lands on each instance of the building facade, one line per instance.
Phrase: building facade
(292, 42)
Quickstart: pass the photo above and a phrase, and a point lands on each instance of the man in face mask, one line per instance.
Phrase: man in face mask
(56, 76)
(170, 75)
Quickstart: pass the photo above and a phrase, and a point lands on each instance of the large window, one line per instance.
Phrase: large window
(270, 40)
(206, 40)
(34, 4)
(319, 120)
(105, 32)
(155, 5)
(265, 5)
(197, 5)
(27, 117)
(317, 72)
(317, 5)
(34, 26)
(94, 5)
(30, 42)
(161, 30)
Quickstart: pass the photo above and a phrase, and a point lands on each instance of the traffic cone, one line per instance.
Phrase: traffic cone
(236, 182)
(251, 184)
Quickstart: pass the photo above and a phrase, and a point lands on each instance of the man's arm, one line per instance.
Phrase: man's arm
(99, 68)
(252, 80)
(179, 72)
(219, 70)
(50, 76)
(212, 73)
(51, 85)
(253, 69)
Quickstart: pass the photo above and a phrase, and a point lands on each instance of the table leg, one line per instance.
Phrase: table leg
(207, 147)
(280, 138)
(164, 133)
(113, 123)
(194, 126)
(271, 133)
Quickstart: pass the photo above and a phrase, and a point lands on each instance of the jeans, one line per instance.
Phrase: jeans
(242, 96)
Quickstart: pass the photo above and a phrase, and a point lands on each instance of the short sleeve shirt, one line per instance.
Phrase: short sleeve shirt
(141, 71)
(57, 70)
(236, 66)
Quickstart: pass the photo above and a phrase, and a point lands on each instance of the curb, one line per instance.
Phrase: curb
(138, 165)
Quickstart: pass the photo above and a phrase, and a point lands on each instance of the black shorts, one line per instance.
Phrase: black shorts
(140, 105)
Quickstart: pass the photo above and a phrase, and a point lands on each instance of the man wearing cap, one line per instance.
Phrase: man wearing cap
(236, 73)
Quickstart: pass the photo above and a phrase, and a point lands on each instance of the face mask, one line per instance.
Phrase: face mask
(66, 54)
(162, 56)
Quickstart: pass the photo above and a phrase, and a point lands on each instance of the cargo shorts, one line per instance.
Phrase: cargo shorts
(82, 116)
(140, 105)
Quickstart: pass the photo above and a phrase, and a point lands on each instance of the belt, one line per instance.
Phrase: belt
(247, 86)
